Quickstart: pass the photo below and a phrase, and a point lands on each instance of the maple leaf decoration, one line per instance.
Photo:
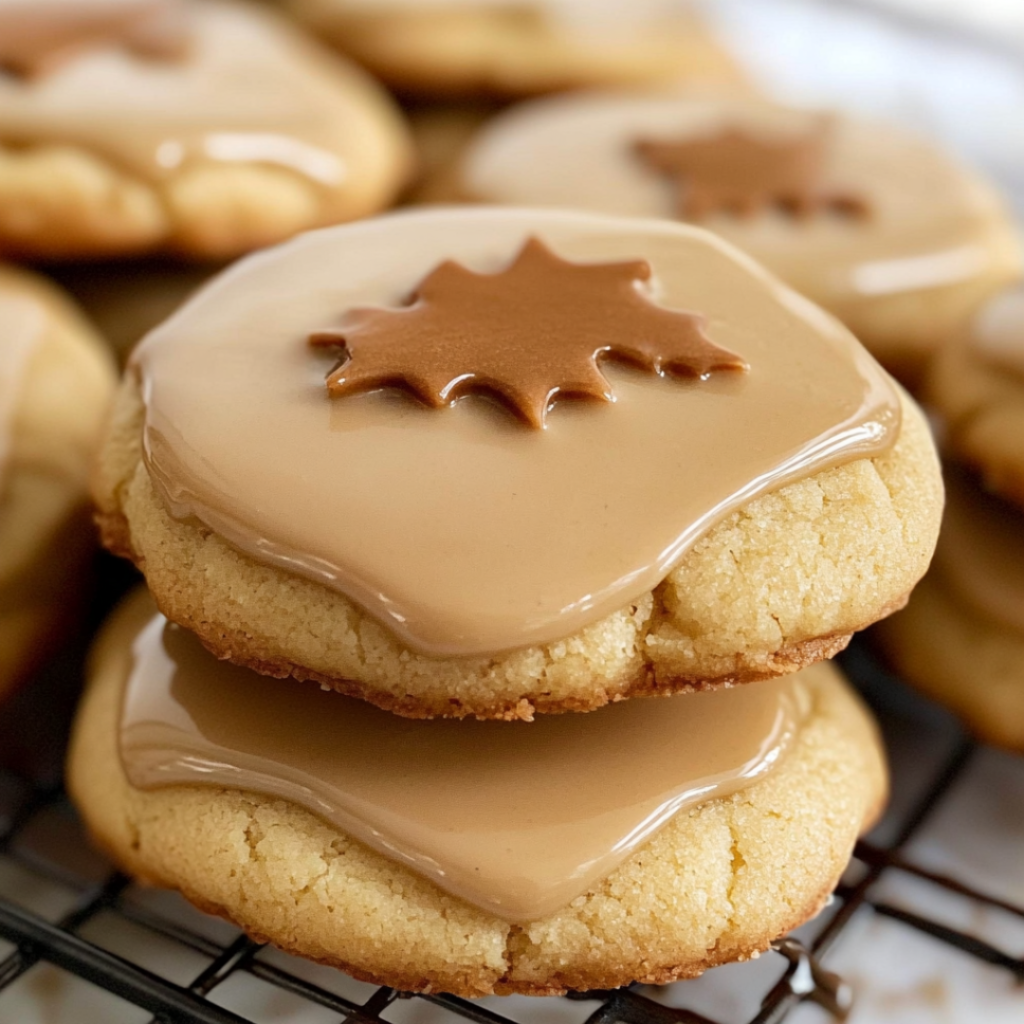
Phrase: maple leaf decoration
(526, 335)
(743, 174)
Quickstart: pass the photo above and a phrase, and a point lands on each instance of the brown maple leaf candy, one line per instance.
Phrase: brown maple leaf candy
(527, 335)
(745, 174)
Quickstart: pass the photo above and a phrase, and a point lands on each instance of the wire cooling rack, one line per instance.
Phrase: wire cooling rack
(74, 932)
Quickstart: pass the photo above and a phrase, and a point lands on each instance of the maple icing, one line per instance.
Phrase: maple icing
(928, 223)
(980, 553)
(997, 333)
(518, 819)
(37, 35)
(248, 89)
(463, 531)
(22, 322)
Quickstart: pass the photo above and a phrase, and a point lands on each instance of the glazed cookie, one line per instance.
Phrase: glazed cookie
(474, 47)
(734, 516)
(976, 384)
(961, 638)
(888, 234)
(56, 381)
(704, 880)
(200, 128)
(128, 298)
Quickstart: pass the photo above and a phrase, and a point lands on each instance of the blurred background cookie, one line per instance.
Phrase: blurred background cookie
(961, 638)
(56, 381)
(976, 385)
(127, 298)
(882, 229)
(501, 48)
(789, 559)
(223, 129)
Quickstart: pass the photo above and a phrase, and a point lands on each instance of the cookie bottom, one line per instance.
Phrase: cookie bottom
(719, 883)
(970, 664)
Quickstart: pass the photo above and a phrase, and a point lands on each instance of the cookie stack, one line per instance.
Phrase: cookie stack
(469, 471)
(961, 638)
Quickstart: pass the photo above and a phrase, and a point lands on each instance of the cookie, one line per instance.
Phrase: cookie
(56, 382)
(717, 882)
(890, 235)
(227, 131)
(440, 131)
(960, 639)
(976, 385)
(733, 517)
(478, 47)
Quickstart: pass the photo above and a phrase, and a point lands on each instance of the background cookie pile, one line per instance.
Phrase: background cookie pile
(217, 149)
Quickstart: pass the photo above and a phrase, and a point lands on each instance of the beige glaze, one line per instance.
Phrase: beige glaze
(981, 551)
(930, 222)
(462, 530)
(22, 322)
(997, 332)
(516, 819)
(38, 35)
(249, 89)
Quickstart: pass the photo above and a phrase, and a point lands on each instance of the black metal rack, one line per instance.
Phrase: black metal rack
(41, 840)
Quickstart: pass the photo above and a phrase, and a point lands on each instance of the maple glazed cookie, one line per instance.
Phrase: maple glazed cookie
(732, 518)
(204, 129)
(976, 385)
(56, 381)
(875, 225)
(474, 47)
(960, 639)
(644, 842)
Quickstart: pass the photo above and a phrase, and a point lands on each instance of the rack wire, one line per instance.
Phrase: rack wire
(43, 849)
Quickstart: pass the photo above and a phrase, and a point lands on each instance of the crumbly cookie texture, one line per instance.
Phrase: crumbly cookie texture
(45, 534)
(717, 884)
(779, 585)
(513, 51)
(982, 407)
(962, 659)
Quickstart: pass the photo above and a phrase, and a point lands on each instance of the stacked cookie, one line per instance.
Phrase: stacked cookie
(495, 465)
(961, 638)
